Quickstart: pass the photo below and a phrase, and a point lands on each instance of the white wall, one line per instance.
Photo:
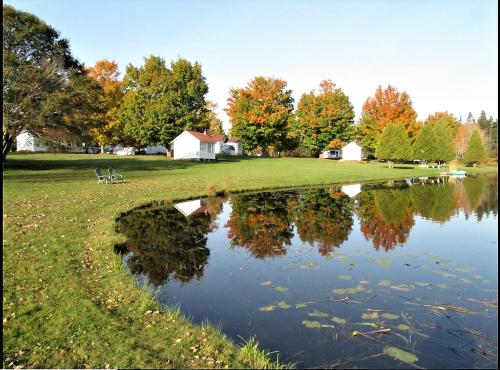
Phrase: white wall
(25, 141)
(186, 146)
(29, 142)
(351, 152)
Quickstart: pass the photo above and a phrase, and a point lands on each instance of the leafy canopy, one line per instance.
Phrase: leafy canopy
(475, 152)
(325, 119)
(386, 106)
(394, 143)
(260, 113)
(43, 84)
(161, 102)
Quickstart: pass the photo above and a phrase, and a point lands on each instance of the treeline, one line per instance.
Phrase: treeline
(44, 86)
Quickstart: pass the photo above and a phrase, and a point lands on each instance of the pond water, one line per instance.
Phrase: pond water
(320, 275)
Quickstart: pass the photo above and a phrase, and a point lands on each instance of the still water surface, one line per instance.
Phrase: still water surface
(320, 274)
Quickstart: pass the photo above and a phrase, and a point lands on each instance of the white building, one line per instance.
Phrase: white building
(351, 152)
(52, 140)
(332, 154)
(351, 190)
(200, 146)
(193, 145)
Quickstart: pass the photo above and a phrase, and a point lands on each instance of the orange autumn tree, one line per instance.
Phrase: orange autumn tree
(260, 114)
(107, 128)
(388, 105)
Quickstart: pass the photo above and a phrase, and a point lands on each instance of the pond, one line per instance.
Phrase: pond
(394, 274)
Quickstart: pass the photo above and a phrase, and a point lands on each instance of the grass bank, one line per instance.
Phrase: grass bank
(68, 302)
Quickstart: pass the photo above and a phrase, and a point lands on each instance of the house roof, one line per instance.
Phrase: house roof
(204, 137)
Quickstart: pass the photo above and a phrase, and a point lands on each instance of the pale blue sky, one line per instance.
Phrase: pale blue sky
(443, 53)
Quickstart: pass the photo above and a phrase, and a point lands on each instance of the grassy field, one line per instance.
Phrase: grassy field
(68, 302)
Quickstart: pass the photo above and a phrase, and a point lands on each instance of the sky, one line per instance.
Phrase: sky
(443, 53)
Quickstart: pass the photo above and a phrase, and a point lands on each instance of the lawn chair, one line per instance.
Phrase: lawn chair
(113, 176)
(100, 177)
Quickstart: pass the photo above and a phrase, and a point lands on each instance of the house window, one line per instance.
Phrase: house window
(203, 147)
(210, 148)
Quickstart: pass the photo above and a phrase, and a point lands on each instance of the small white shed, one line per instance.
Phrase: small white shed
(351, 152)
(332, 154)
(194, 145)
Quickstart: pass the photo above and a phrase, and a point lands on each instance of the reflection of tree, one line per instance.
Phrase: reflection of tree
(163, 242)
(386, 215)
(489, 202)
(260, 223)
(437, 202)
(474, 187)
(324, 217)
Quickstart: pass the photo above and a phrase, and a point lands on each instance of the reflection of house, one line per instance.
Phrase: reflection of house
(191, 207)
(197, 145)
(52, 140)
(349, 152)
(351, 190)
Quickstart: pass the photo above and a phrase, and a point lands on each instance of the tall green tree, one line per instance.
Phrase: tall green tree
(161, 102)
(475, 152)
(261, 114)
(386, 106)
(43, 84)
(214, 123)
(425, 147)
(445, 141)
(394, 143)
(324, 117)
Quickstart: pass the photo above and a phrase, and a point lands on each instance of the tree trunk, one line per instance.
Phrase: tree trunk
(7, 145)
(102, 148)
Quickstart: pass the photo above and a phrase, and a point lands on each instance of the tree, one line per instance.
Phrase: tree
(445, 144)
(107, 123)
(475, 152)
(386, 106)
(324, 118)
(213, 122)
(161, 102)
(463, 136)
(43, 83)
(443, 118)
(470, 118)
(394, 143)
(425, 147)
(261, 113)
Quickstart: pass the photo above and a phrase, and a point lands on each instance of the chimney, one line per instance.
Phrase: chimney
(205, 132)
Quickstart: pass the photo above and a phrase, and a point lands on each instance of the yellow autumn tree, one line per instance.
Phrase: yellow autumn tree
(106, 129)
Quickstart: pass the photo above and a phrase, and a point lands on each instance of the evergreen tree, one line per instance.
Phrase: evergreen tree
(425, 147)
(470, 118)
(475, 152)
(445, 142)
(394, 143)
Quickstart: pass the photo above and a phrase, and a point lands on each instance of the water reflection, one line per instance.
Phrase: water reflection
(171, 241)
(302, 270)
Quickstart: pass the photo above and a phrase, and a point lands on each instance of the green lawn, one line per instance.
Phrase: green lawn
(68, 302)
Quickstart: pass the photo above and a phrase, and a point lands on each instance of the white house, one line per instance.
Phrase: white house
(52, 140)
(332, 154)
(194, 145)
(351, 152)
(197, 145)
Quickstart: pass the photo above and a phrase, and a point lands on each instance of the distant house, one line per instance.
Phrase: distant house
(51, 140)
(349, 152)
(351, 190)
(200, 146)
(332, 154)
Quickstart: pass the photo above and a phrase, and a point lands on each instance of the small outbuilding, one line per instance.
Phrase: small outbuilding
(332, 154)
(194, 145)
(351, 152)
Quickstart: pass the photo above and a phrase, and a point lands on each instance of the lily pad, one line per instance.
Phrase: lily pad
(399, 354)
(267, 282)
(344, 277)
(338, 320)
(311, 324)
(419, 283)
(327, 326)
(389, 316)
(281, 289)
(356, 289)
(465, 281)
(267, 308)
(403, 327)
(300, 305)
(446, 274)
(477, 277)
(363, 282)
(370, 324)
(442, 286)
(384, 282)
(283, 305)
(403, 287)
(369, 315)
(317, 313)
(383, 261)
